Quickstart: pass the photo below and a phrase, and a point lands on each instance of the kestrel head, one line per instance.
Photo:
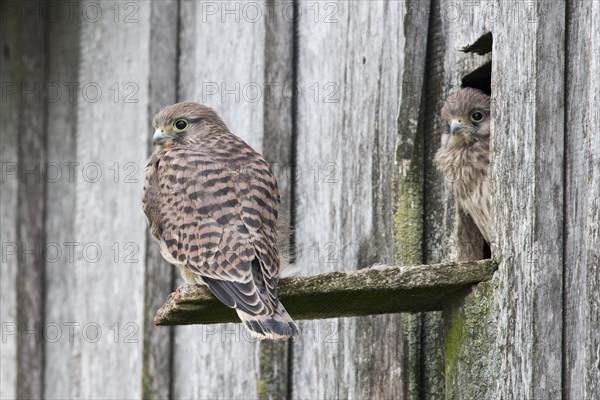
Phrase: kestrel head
(468, 114)
(183, 123)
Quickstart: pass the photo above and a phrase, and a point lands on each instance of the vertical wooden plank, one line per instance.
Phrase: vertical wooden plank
(582, 220)
(453, 25)
(159, 281)
(277, 143)
(222, 64)
(349, 64)
(112, 133)
(426, 330)
(25, 56)
(408, 228)
(63, 69)
(9, 108)
(527, 187)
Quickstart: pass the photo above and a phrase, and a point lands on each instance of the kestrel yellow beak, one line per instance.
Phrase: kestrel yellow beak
(159, 136)
(456, 126)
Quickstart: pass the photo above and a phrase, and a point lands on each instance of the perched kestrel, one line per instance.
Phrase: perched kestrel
(211, 203)
(464, 156)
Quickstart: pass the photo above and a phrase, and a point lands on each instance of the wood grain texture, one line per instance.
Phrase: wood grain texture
(448, 235)
(522, 306)
(159, 281)
(63, 67)
(29, 60)
(369, 291)
(529, 333)
(581, 361)
(8, 208)
(222, 64)
(426, 380)
(348, 71)
(527, 198)
(453, 25)
(112, 131)
(409, 201)
(278, 143)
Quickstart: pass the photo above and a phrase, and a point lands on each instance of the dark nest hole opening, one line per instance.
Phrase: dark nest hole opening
(481, 78)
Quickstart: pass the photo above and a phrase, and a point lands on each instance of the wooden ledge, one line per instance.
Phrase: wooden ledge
(374, 290)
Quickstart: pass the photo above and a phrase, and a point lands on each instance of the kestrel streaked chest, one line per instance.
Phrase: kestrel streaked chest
(464, 156)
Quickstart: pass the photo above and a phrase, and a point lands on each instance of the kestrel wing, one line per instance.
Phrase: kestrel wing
(259, 214)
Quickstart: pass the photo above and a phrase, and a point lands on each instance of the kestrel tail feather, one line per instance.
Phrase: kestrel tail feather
(277, 326)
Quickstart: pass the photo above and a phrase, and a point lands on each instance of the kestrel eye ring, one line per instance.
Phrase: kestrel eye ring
(476, 116)
(180, 125)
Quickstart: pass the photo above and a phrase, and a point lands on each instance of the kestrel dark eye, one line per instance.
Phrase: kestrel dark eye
(180, 125)
(476, 116)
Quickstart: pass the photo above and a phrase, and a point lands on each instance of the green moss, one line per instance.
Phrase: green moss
(408, 227)
(261, 388)
(455, 326)
(470, 325)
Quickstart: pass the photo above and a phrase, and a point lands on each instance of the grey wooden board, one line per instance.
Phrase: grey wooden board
(278, 142)
(162, 91)
(112, 131)
(453, 27)
(8, 214)
(349, 66)
(527, 189)
(582, 219)
(409, 201)
(63, 67)
(29, 62)
(221, 64)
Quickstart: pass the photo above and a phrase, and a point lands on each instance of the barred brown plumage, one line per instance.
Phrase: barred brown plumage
(464, 156)
(211, 203)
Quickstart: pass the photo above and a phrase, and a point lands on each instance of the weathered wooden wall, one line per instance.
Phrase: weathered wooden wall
(110, 292)
(23, 207)
(61, 128)
(346, 126)
(343, 98)
(534, 323)
(8, 213)
(581, 307)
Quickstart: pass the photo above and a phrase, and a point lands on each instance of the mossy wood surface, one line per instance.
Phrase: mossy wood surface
(375, 290)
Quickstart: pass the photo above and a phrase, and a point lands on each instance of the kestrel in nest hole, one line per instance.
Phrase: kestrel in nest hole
(464, 156)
